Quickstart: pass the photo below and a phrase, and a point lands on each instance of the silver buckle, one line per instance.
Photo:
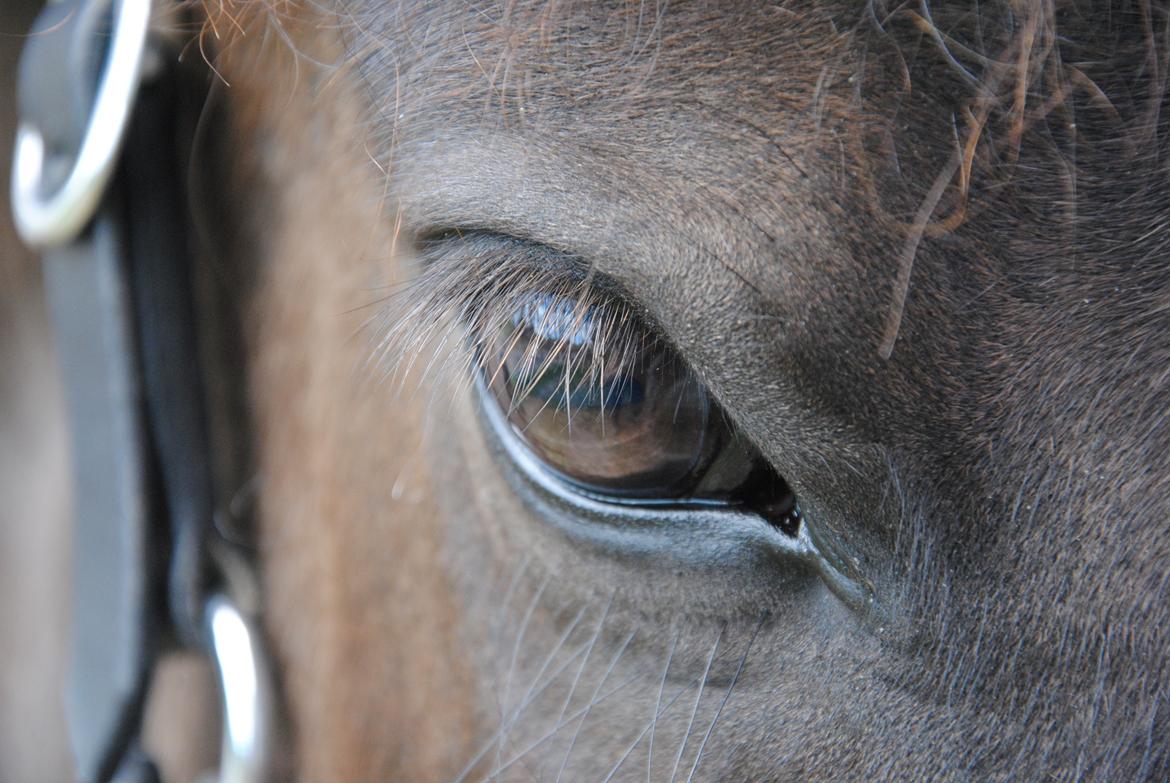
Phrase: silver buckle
(247, 694)
(68, 145)
(46, 217)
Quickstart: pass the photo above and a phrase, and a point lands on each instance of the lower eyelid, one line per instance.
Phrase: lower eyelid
(664, 515)
(674, 539)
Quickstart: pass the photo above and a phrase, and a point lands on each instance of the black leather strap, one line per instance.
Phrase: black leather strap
(121, 300)
(118, 559)
(161, 272)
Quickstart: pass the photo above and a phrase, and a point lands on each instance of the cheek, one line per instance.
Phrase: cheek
(577, 668)
(360, 616)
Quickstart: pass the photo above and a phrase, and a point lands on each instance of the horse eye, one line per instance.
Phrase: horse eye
(613, 412)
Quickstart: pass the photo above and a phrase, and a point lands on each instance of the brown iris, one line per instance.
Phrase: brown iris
(604, 409)
(612, 410)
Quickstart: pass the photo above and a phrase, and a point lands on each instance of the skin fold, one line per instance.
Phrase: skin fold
(917, 255)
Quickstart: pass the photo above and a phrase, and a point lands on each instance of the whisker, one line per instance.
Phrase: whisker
(726, 696)
(658, 712)
(491, 741)
(573, 742)
(516, 651)
(569, 719)
(539, 674)
(588, 652)
(572, 626)
(513, 584)
(658, 702)
(698, 698)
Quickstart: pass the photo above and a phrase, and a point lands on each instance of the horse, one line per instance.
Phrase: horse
(701, 391)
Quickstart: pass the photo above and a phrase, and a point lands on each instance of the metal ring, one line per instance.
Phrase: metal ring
(51, 219)
(246, 691)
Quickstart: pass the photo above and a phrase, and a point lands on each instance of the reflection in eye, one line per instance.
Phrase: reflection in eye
(627, 420)
(613, 411)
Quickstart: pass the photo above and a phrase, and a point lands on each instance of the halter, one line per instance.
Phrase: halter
(97, 188)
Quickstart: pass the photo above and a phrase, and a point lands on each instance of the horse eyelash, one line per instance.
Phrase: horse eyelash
(475, 286)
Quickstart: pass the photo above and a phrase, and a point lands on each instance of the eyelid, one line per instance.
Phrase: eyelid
(459, 257)
(493, 248)
(544, 267)
(462, 266)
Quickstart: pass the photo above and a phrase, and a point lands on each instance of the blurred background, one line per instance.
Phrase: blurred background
(34, 486)
(35, 508)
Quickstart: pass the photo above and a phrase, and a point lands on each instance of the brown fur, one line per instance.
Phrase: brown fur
(937, 303)
(329, 456)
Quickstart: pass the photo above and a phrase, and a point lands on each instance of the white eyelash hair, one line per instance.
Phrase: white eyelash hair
(470, 288)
